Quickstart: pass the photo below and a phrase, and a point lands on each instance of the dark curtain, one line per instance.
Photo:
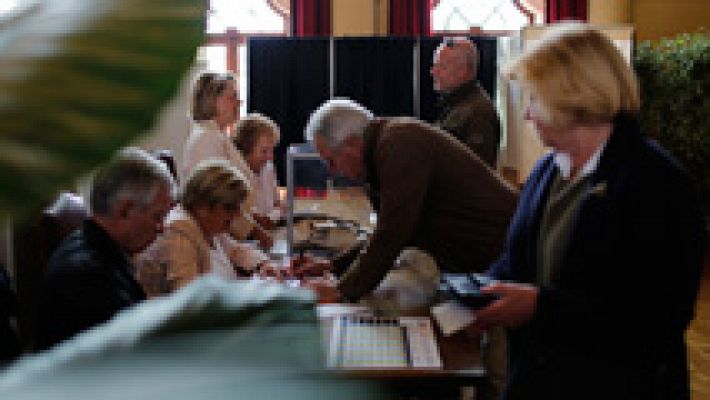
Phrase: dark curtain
(487, 70)
(559, 10)
(410, 17)
(288, 79)
(10, 345)
(310, 17)
(376, 72)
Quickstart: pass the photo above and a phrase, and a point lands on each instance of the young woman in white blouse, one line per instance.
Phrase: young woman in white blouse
(215, 109)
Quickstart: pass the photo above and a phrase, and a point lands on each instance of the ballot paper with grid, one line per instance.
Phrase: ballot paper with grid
(361, 342)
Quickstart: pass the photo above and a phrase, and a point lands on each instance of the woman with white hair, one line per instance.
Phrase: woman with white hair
(255, 136)
(604, 252)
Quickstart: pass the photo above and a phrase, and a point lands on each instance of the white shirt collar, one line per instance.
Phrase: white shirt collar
(564, 163)
(209, 124)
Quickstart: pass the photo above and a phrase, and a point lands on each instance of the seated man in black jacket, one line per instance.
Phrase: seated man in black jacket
(90, 276)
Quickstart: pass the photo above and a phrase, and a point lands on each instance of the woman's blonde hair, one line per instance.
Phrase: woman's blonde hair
(205, 92)
(214, 182)
(578, 76)
(250, 128)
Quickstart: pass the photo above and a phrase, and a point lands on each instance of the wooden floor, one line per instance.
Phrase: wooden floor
(698, 338)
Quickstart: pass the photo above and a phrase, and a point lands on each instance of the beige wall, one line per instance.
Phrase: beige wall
(655, 19)
(609, 12)
(353, 18)
(359, 17)
(172, 127)
(382, 25)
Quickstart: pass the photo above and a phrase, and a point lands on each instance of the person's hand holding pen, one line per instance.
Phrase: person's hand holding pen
(272, 270)
(304, 265)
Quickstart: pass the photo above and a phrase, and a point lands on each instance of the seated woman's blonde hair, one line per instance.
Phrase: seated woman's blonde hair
(578, 77)
(214, 182)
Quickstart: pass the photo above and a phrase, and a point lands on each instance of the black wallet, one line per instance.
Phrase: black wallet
(466, 289)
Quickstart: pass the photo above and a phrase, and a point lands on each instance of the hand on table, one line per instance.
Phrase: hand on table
(264, 238)
(270, 269)
(264, 221)
(325, 290)
(306, 265)
(516, 306)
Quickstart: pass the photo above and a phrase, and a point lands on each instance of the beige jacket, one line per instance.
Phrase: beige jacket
(182, 252)
(207, 141)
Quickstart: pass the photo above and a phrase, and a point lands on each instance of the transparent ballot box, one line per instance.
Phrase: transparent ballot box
(326, 215)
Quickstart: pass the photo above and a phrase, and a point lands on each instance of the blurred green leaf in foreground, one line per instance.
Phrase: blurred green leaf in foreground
(81, 78)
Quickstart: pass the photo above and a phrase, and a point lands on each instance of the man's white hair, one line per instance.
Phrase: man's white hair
(336, 120)
(132, 175)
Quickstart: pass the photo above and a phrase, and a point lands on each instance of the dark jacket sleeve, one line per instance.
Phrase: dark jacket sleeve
(74, 300)
(512, 264)
(10, 345)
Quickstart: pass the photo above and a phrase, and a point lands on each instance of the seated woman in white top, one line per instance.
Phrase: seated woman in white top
(196, 239)
(255, 136)
(215, 109)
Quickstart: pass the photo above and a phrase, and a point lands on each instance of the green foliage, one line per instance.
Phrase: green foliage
(81, 79)
(674, 75)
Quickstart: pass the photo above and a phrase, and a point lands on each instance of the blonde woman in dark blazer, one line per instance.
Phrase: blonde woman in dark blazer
(604, 252)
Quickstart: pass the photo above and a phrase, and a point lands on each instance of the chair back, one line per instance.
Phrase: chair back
(34, 244)
(166, 156)
(60, 219)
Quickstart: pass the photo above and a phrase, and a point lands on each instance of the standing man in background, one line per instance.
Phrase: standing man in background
(599, 279)
(466, 110)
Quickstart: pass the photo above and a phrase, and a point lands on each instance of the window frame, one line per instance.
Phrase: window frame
(232, 38)
(525, 9)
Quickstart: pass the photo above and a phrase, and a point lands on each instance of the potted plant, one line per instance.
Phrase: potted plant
(674, 75)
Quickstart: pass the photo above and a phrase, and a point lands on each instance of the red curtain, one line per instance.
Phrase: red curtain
(410, 17)
(559, 10)
(310, 17)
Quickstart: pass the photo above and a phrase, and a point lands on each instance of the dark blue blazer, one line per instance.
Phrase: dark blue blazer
(611, 325)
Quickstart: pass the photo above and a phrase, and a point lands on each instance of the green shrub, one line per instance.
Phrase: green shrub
(674, 75)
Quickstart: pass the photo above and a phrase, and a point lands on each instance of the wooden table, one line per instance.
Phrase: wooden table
(460, 354)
